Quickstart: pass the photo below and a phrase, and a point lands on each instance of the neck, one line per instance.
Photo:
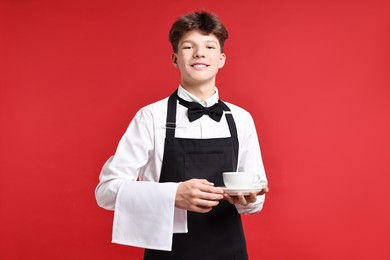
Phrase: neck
(202, 92)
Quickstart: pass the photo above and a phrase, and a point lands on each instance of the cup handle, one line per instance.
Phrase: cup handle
(257, 181)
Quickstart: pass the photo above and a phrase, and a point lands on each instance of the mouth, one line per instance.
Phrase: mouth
(199, 65)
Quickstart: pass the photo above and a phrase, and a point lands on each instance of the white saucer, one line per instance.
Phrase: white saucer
(244, 191)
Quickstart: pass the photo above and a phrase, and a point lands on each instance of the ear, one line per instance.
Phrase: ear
(174, 60)
(222, 60)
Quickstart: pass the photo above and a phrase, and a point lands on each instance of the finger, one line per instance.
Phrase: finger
(206, 182)
(211, 196)
(251, 197)
(205, 203)
(205, 195)
(211, 189)
(229, 198)
(241, 199)
(207, 186)
(264, 190)
(210, 192)
(201, 191)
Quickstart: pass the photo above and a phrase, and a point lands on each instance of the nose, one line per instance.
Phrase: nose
(199, 53)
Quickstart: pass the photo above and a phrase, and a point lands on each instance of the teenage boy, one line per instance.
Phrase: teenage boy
(164, 180)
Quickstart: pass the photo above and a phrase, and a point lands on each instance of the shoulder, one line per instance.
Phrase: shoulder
(153, 112)
(156, 106)
(244, 122)
(239, 113)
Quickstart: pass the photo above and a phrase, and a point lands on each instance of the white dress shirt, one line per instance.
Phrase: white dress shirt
(145, 215)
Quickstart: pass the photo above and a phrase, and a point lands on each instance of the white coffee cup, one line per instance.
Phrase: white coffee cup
(241, 180)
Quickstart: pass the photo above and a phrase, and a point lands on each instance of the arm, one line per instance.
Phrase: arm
(136, 203)
(131, 156)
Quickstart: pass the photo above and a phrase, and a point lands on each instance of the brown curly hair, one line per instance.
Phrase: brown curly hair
(206, 22)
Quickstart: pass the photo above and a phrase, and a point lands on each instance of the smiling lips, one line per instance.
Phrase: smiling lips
(199, 65)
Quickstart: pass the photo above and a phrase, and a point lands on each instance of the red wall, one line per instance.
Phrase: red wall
(314, 75)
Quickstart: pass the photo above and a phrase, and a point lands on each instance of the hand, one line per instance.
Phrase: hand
(198, 195)
(240, 199)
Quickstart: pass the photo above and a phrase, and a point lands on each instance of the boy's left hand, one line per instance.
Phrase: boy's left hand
(240, 199)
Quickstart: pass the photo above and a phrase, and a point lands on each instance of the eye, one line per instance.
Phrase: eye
(186, 47)
(210, 47)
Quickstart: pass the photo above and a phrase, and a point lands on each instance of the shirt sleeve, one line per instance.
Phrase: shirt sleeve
(145, 215)
(250, 160)
(129, 159)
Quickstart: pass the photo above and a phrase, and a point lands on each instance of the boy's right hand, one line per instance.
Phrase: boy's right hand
(198, 195)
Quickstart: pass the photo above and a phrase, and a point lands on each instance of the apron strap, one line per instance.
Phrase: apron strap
(229, 119)
(171, 117)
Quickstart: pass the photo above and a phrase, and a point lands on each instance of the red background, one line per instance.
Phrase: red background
(314, 75)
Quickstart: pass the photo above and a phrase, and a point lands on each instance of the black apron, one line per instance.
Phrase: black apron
(218, 234)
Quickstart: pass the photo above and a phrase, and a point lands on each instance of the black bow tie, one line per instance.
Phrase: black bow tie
(196, 110)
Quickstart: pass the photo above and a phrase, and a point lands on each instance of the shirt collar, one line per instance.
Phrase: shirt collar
(184, 94)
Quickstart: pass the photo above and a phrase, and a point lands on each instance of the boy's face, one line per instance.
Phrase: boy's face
(198, 58)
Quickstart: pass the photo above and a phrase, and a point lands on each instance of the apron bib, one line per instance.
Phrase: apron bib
(218, 234)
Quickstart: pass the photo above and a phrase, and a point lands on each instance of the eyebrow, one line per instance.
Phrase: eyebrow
(212, 41)
(208, 41)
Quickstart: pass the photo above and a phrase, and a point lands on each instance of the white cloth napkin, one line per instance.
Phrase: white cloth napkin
(145, 215)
